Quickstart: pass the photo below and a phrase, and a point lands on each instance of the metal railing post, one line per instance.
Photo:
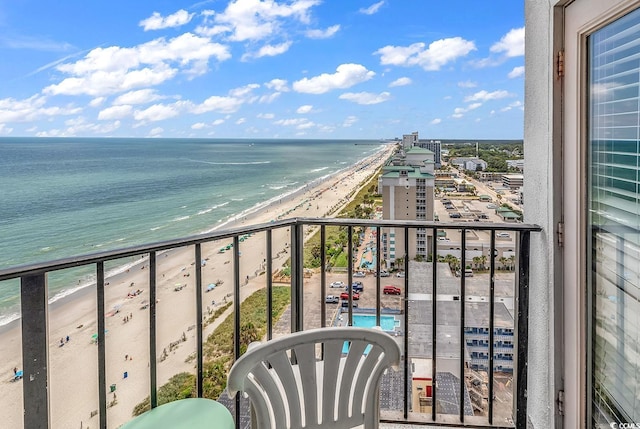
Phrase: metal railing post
(35, 356)
(269, 271)
(102, 347)
(153, 362)
(297, 276)
(522, 331)
(463, 298)
(199, 337)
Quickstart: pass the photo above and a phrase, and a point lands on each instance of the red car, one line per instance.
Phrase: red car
(345, 295)
(391, 290)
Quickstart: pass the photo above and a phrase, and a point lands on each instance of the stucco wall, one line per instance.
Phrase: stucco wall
(542, 208)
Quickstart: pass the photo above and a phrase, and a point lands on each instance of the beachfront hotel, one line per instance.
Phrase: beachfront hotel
(406, 185)
(576, 334)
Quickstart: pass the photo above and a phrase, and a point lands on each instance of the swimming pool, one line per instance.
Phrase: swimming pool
(387, 323)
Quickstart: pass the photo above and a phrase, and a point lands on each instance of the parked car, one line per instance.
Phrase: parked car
(384, 273)
(443, 239)
(391, 290)
(337, 284)
(345, 295)
(400, 274)
(332, 299)
(356, 286)
(346, 304)
(492, 206)
(503, 235)
(468, 272)
(359, 274)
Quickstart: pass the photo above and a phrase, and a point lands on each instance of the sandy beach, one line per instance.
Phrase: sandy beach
(73, 362)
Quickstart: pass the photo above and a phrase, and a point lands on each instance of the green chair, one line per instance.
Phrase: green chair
(191, 413)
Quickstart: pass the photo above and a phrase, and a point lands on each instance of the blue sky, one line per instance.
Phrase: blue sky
(262, 69)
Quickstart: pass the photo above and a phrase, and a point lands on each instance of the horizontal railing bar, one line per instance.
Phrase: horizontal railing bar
(108, 255)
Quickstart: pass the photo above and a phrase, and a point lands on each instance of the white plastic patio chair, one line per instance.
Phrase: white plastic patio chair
(327, 377)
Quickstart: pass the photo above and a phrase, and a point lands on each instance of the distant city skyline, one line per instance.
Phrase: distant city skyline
(262, 69)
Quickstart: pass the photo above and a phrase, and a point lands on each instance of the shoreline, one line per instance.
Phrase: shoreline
(73, 375)
(11, 320)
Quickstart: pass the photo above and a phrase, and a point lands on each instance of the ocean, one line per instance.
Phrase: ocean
(61, 197)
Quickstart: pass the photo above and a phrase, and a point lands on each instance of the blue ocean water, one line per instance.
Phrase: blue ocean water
(71, 196)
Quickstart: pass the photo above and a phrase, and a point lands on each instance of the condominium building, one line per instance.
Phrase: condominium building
(409, 140)
(435, 146)
(407, 187)
(513, 181)
(469, 164)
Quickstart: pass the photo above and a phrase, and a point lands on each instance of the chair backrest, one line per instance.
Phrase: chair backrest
(327, 377)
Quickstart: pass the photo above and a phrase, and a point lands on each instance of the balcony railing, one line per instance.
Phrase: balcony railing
(431, 315)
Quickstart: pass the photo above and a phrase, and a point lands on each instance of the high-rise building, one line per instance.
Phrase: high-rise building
(407, 185)
(435, 146)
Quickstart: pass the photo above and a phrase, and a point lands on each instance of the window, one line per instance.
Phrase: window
(614, 218)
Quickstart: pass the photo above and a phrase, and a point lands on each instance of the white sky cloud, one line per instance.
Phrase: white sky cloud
(279, 85)
(159, 112)
(98, 101)
(349, 121)
(438, 54)
(252, 20)
(269, 98)
(467, 84)
(31, 109)
(366, 97)
(156, 132)
(266, 116)
(459, 112)
(514, 105)
(218, 122)
(220, 104)
(374, 8)
(298, 123)
(198, 126)
(241, 121)
(511, 44)
(105, 71)
(269, 51)
(403, 81)
(115, 112)
(157, 22)
(4, 129)
(436, 121)
(346, 76)
(141, 96)
(323, 34)
(516, 72)
(485, 95)
(304, 109)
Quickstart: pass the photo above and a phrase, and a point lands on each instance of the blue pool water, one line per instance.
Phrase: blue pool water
(387, 323)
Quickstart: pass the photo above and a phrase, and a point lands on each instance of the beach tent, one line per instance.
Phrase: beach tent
(211, 287)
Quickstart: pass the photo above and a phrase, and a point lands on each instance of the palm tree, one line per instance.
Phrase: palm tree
(503, 261)
(476, 261)
(483, 260)
(512, 262)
